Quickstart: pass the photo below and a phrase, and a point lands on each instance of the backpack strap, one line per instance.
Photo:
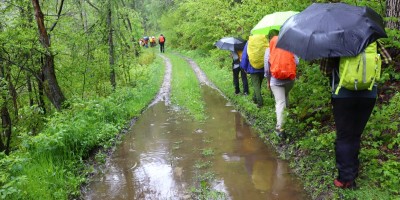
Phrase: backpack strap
(343, 74)
(376, 71)
(364, 58)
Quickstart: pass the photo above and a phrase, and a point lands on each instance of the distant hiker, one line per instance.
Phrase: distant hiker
(280, 70)
(152, 41)
(141, 42)
(351, 110)
(236, 69)
(256, 75)
(146, 41)
(161, 41)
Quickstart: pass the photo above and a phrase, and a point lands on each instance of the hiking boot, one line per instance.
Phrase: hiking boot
(245, 93)
(280, 133)
(344, 185)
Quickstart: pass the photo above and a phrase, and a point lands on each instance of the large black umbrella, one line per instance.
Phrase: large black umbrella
(230, 43)
(331, 30)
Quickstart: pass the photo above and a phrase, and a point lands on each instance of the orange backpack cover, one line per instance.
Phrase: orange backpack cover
(161, 38)
(282, 62)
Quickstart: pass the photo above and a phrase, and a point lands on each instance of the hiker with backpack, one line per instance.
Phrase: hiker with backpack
(352, 105)
(161, 41)
(255, 69)
(280, 71)
(236, 70)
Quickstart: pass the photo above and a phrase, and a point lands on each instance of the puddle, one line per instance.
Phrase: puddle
(165, 154)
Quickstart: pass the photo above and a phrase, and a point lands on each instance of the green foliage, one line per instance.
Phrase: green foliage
(185, 88)
(147, 57)
(204, 189)
(201, 27)
(207, 152)
(49, 165)
(8, 182)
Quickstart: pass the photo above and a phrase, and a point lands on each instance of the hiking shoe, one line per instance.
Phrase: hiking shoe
(280, 133)
(246, 93)
(344, 185)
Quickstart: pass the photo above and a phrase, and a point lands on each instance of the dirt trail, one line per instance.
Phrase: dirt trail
(160, 156)
(164, 93)
(200, 74)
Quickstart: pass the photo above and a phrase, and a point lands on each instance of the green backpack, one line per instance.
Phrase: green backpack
(360, 72)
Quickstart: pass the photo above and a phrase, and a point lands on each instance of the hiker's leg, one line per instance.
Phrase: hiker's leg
(363, 107)
(235, 73)
(288, 87)
(344, 118)
(260, 77)
(255, 78)
(351, 116)
(244, 81)
(279, 95)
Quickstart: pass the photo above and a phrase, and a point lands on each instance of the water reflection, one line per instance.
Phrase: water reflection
(157, 158)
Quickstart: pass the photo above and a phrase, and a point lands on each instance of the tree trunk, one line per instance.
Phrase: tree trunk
(52, 89)
(40, 92)
(29, 87)
(111, 50)
(5, 136)
(12, 91)
(393, 10)
(6, 125)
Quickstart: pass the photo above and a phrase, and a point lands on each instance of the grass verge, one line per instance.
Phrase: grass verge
(185, 88)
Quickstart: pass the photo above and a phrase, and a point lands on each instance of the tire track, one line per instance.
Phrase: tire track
(201, 76)
(165, 90)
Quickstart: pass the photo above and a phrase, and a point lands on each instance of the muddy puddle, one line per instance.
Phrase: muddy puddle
(166, 155)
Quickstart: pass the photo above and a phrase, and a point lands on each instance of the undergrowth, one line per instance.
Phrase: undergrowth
(51, 164)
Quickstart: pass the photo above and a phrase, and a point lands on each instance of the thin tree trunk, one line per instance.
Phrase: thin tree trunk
(88, 53)
(40, 92)
(52, 89)
(5, 118)
(12, 91)
(111, 49)
(393, 10)
(6, 124)
(29, 87)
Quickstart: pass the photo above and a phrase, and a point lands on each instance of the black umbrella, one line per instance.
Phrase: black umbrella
(331, 30)
(230, 43)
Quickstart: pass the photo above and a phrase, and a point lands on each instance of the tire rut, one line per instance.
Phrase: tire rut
(164, 93)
